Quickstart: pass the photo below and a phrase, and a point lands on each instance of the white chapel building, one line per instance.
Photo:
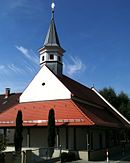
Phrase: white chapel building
(85, 121)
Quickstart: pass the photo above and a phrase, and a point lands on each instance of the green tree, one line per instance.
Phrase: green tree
(18, 138)
(110, 95)
(123, 102)
(120, 101)
(51, 128)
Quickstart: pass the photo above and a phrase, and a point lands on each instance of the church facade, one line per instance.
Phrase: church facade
(85, 121)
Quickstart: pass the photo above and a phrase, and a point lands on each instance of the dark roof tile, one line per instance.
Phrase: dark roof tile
(81, 91)
(6, 103)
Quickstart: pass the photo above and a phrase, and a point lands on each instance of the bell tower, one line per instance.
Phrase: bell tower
(51, 53)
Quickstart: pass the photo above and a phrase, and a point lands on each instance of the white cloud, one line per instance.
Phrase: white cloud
(28, 54)
(15, 69)
(30, 68)
(75, 67)
(10, 70)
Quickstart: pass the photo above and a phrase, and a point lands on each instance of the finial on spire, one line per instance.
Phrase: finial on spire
(53, 7)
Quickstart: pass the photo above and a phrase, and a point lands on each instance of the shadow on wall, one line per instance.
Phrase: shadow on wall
(42, 154)
(31, 156)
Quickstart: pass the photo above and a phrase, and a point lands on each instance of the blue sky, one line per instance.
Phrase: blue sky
(94, 33)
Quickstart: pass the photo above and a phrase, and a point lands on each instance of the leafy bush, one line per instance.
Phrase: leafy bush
(71, 156)
(68, 157)
(64, 157)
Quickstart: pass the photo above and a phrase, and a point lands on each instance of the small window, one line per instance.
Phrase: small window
(51, 56)
(43, 58)
(43, 84)
(59, 58)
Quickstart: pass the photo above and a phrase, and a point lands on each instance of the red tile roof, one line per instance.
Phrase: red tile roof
(6, 103)
(36, 114)
(67, 112)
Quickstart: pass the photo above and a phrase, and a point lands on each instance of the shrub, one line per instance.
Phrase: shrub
(71, 156)
(51, 128)
(18, 138)
(68, 157)
(64, 157)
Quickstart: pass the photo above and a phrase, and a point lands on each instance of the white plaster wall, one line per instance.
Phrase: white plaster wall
(52, 90)
(47, 56)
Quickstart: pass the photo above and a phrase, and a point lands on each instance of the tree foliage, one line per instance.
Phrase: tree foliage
(110, 95)
(18, 138)
(51, 128)
(120, 101)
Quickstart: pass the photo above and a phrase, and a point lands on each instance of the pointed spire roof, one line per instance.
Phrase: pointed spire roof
(52, 36)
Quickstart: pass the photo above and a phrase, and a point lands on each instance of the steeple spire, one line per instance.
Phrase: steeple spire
(51, 53)
(52, 36)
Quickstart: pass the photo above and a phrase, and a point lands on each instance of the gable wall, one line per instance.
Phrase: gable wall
(52, 89)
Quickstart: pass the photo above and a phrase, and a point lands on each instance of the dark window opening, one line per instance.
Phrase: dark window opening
(43, 58)
(51, 56)
(59, 58)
